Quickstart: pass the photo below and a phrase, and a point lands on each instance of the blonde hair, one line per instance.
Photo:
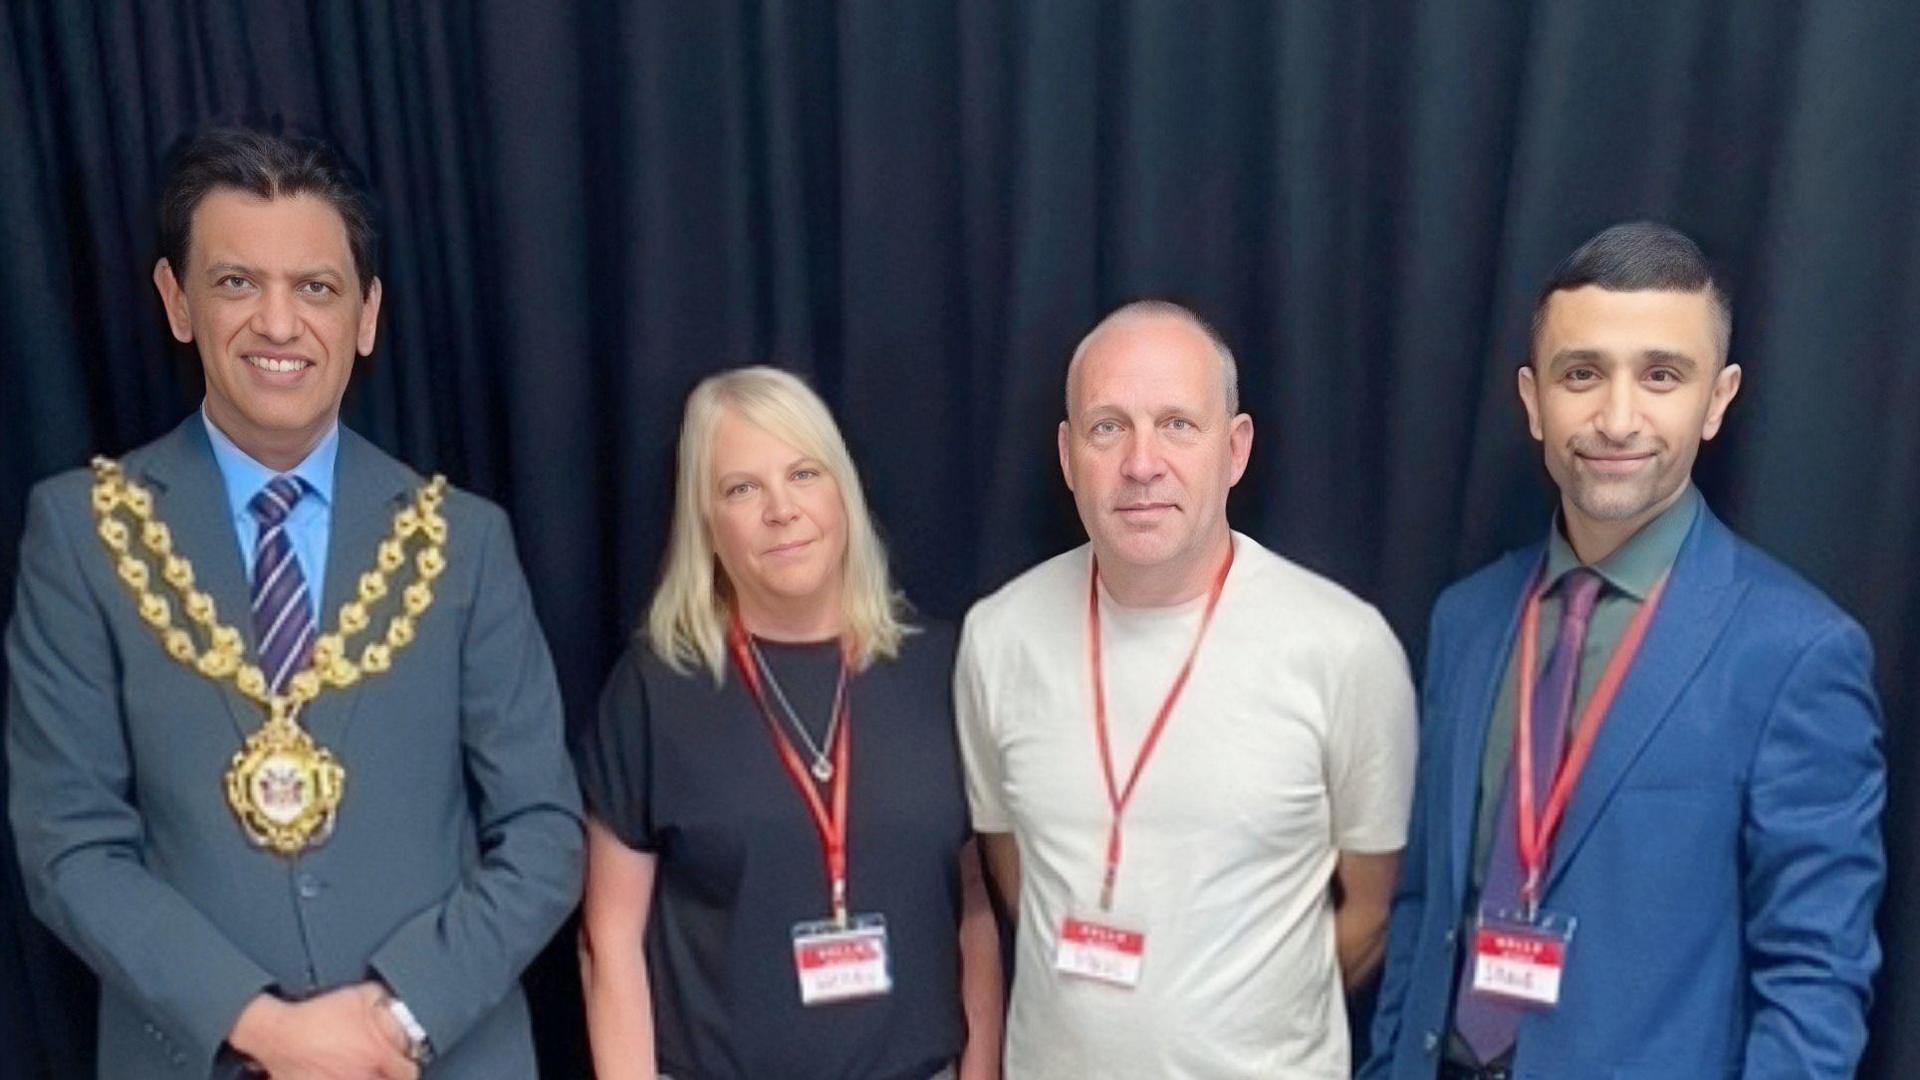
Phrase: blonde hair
(686, 621)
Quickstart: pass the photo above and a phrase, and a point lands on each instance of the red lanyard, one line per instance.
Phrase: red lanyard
(1118, 797)
(1537, 832)
(831, 826)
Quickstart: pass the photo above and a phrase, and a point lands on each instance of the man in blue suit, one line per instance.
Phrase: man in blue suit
(1645, 836)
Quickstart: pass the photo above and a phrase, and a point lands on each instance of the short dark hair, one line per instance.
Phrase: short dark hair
(1639, 256)
(271, 166)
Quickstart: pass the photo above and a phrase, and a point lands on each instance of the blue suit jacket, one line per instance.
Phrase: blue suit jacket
(1722, 852)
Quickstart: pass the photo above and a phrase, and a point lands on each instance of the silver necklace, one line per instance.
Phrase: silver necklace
(822, 768)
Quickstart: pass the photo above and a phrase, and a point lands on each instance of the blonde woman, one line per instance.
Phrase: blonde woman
(781, 877)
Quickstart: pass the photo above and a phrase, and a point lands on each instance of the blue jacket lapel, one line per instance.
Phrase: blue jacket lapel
(1482, 662)
(190, 497)
(1700, 598)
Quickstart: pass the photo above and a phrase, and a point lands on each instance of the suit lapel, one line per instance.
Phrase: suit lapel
(367, 490)
(1482, 664)
(191, 498)
(1700, 598)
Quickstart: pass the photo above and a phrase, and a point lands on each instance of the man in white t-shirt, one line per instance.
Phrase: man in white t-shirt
(1173, 760)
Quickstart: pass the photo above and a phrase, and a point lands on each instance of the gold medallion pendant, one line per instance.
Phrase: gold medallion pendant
(284, 788)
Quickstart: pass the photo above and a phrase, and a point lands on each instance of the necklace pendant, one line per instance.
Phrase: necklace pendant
(284, 788)
(822, 770)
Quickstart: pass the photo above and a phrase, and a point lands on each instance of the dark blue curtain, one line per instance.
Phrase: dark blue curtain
(921, 206)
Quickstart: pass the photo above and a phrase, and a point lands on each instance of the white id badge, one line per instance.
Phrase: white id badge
(1519, 959)
(842, 963)
(1100, 947)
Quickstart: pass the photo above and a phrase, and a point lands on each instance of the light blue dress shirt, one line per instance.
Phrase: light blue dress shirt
(312, 517)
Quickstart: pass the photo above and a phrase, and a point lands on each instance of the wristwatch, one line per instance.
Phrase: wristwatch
(418, 1048)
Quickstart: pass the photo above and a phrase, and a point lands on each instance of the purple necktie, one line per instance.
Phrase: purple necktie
(1488, 1024)
(282, 615)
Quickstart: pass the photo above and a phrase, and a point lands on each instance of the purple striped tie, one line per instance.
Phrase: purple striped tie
(1489, 1024)
(282, 615)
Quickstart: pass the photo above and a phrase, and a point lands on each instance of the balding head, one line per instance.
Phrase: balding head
(1139, 311)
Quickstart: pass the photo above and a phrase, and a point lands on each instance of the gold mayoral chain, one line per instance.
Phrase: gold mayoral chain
(284, 788)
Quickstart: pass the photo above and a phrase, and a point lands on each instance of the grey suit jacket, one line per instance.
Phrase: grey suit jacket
(458, 845)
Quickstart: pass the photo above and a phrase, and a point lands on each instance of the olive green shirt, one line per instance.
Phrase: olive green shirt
(1629, 573)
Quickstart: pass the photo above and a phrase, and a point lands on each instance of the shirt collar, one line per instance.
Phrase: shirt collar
(244, 477)
(1635, 566)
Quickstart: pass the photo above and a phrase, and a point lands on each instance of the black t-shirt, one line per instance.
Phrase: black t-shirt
(688, 771)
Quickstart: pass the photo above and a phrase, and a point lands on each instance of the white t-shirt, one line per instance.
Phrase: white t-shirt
(1293, 741)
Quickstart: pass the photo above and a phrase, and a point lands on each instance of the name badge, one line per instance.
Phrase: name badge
(842, 963)
(1521, 960)
(1102, 949)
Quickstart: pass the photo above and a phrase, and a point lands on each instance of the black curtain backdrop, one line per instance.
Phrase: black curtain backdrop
(921, 206)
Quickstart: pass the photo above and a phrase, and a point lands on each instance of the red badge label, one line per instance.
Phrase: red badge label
(1101, 951)
(838, 962)
(1521, 964)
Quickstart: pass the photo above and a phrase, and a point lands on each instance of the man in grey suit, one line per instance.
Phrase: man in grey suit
(314, 839)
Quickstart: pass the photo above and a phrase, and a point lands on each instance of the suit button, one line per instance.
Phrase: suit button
(1453, 935)
(309, 886)
(1430, 1042)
